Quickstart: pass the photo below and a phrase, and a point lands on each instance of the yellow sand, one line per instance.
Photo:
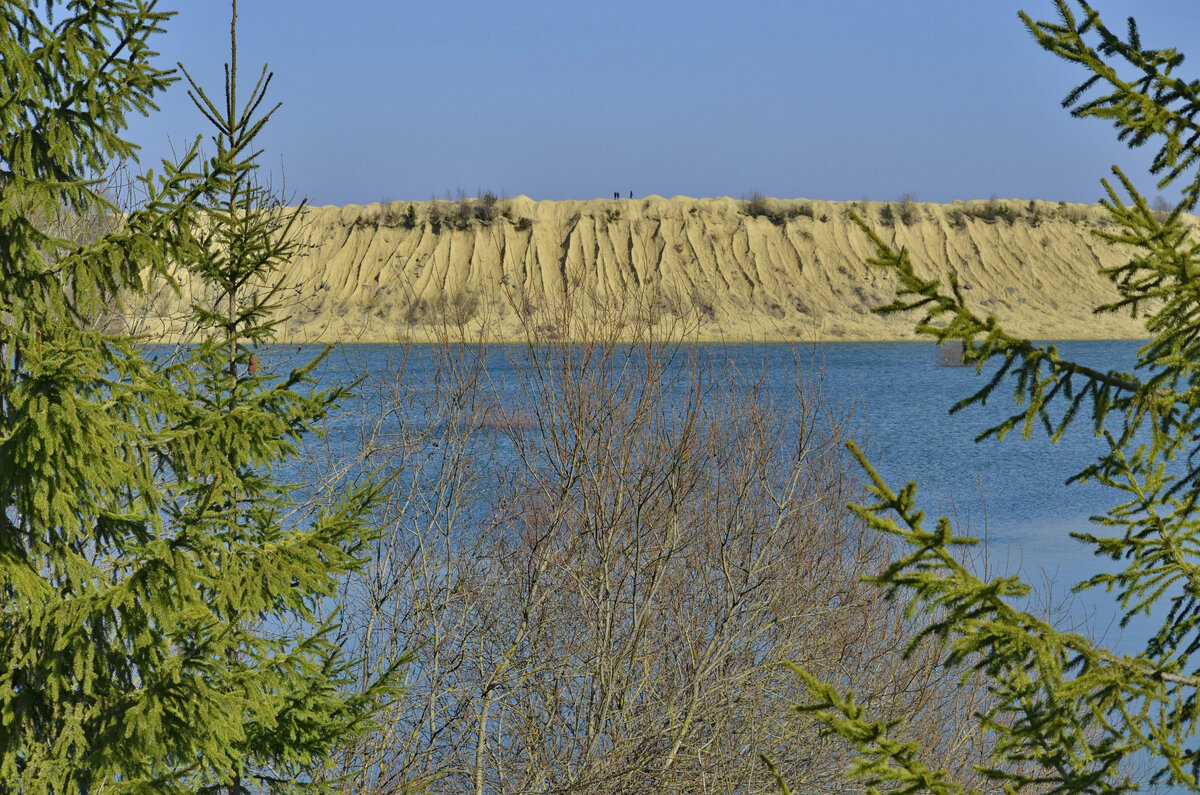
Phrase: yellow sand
(375, 273)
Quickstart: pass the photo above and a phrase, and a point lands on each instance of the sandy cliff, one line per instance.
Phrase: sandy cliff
(722, 268)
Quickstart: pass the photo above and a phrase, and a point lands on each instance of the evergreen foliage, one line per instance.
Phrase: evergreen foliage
(1070, 714)
(158, 583)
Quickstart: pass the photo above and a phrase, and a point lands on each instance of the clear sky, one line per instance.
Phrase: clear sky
(560, 99)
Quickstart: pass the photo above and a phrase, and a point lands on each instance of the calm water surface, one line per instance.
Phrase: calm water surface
(898, 399)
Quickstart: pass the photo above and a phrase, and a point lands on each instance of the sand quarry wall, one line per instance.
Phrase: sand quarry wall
(716, 269)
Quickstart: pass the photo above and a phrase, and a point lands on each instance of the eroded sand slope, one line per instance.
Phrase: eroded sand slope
(381, 273)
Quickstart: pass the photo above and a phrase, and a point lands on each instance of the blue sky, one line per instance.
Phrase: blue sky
(821, 99)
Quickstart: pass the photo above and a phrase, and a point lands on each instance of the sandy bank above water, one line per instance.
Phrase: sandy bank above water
(384, 273)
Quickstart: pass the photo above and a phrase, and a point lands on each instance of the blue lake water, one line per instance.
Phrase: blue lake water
(897, 397)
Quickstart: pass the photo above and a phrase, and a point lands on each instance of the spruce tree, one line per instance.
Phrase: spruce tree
(158, 583)
(1070, 715)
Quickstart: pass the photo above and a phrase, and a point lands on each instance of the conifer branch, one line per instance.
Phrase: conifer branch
(1073, 710)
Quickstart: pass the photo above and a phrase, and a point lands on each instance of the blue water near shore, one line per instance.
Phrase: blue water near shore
(897, 397)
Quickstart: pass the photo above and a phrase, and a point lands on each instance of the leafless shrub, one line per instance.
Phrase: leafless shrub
(758, 206)
(602, 559)
(1073, 213)
(485, 208)
(391, 214)
(437, 214)
(991, 211)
